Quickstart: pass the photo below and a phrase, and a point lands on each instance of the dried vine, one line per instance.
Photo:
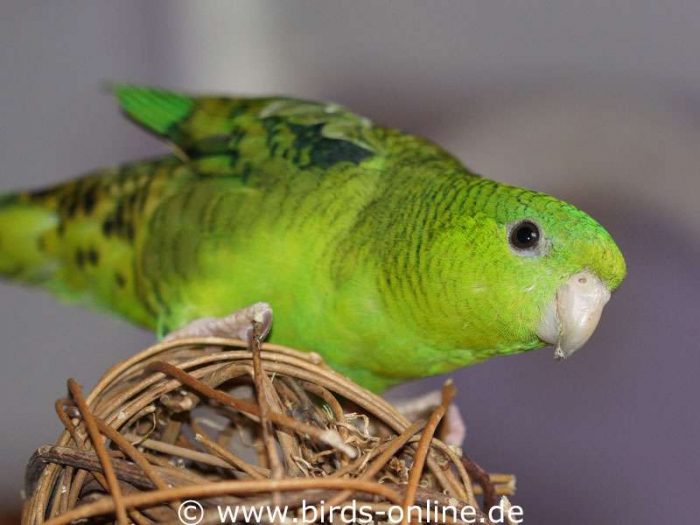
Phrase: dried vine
(228, 422)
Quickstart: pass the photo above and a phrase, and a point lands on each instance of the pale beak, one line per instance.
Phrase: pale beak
(572, 317)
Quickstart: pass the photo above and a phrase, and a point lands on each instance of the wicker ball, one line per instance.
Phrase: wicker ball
(229, 423)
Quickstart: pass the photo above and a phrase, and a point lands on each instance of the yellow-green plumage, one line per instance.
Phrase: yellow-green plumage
(375, 248)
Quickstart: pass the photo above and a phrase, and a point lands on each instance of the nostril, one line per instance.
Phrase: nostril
(582, 280)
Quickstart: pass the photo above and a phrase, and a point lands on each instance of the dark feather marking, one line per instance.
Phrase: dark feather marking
(129, 232)
(93, 256)
(237, 134)
(79, 258)
(107, 227)
(211, 145)
(89, 198)
(324, 152)
(246, 171)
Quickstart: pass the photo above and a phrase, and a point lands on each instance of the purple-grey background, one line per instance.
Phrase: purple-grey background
(596, 102)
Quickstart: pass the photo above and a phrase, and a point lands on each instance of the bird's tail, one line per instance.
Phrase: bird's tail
(24, 221)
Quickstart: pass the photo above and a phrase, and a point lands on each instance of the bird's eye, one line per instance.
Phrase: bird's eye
(525, 235)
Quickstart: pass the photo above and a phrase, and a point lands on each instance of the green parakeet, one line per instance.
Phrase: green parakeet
(375, 248)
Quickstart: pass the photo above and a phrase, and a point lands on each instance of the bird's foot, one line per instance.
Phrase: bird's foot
(242, 324)
(453, 428)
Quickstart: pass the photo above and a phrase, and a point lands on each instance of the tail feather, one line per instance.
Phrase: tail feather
(23, 224)
(78, 239)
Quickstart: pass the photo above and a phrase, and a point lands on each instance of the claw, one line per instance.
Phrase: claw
(255, 319)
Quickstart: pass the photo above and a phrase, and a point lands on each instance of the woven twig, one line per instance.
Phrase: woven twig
(233, 423)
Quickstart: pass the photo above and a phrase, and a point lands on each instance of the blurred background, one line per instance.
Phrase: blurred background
(596, 102)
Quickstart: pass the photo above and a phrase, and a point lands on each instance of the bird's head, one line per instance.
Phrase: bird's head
(527, 269)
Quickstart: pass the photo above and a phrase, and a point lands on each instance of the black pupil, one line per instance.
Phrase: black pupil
(525, 235)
